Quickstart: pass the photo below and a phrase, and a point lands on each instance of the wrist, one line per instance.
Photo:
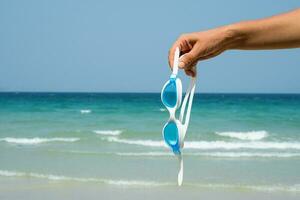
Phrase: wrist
(234, 36)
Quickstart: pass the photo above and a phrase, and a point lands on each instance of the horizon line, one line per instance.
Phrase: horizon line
(138, 92)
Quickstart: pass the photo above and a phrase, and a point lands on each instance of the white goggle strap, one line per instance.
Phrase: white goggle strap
(176, 62)
(188, 98)
(188, 113)
(180, 173)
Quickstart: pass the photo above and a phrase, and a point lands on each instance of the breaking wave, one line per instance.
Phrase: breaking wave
(108, 132)
(251, 135)
(212, 144)
(215, 154)
(85, 111)
(194, 154)
(36, 140)
(79, 179)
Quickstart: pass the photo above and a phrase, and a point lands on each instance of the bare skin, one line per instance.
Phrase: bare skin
(277, 32)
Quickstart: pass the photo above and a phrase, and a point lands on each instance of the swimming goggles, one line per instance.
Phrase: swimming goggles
(174, 130)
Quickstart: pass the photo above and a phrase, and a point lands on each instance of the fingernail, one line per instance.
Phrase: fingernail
(181, 64)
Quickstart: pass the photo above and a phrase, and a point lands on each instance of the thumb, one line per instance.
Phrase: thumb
(188, 58)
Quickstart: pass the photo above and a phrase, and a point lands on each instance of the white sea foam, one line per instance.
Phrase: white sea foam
(212, 144)
(108, 132)
(241, 145)
(135, 183)
(11, 173)
(197, 154)
(162, 109)
(143, 154)
(52, 177)
(85, 111)
(251, 135)
(36, 140)
(262, 188)
(247, 154)
(213, 154)
(144, 183)
(150, 143)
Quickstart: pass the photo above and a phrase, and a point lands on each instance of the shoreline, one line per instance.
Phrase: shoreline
(28, 188)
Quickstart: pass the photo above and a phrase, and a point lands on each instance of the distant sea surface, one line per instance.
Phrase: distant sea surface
(234, 142)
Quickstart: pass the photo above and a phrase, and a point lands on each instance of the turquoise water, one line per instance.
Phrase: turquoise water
(234, 141)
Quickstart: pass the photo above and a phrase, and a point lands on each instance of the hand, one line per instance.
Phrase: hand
(200, 46)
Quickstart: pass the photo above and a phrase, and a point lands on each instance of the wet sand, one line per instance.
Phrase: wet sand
(32, 189)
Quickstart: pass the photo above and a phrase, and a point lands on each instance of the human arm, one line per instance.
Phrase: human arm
(276, 32)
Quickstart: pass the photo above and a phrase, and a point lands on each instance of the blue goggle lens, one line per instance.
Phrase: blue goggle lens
(169, 96)
(171, 136)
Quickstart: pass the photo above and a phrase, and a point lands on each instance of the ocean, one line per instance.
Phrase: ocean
(238, 143)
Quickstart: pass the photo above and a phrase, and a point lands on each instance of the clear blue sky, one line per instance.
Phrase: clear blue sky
(122, 46)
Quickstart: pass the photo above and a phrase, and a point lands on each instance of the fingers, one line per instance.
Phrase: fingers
(188, 59)
(191, 71)
(188, 50)
(183, 42)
